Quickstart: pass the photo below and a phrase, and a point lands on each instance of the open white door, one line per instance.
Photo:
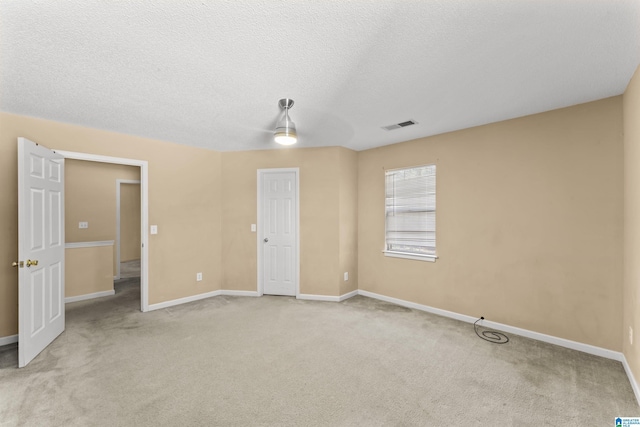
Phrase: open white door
(40, 248)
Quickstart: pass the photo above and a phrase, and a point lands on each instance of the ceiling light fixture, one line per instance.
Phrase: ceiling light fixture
(286, 130)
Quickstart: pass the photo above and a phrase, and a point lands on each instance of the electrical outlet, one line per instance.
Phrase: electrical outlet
(83, 224)
(346, 276)
(198, 277)
(630, 335)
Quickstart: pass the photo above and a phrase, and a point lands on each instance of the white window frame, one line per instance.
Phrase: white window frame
(399, 254)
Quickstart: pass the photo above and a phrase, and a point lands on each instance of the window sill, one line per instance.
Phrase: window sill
(429, 258)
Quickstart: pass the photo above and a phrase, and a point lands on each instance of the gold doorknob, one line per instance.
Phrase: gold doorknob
(30, 262)
(17, 264)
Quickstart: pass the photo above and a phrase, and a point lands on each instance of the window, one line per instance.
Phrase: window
(410, 213)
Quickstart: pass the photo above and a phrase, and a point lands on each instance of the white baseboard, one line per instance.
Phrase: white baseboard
(409, 304)
(240, 293)
(89, 296)
(329, 298)
(632, 379)
(184, 300)
(585, 348)
(348, 295)
(311, 297)
(562, 342)
(230, 292)
(8, 340)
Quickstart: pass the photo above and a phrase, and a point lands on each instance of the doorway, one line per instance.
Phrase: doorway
(128, 241)
(144, 212)
(278, 232)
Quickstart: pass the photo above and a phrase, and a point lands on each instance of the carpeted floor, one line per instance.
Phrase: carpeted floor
(279, 361)
(130, 269)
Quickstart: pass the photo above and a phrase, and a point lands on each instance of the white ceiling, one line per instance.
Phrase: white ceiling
(209, 73)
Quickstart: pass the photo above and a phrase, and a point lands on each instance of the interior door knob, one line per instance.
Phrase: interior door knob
(266, 239)
(17, 264)
(30, 262)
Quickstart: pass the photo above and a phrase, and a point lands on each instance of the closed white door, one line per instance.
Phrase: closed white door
(279, 207)
(40, 248)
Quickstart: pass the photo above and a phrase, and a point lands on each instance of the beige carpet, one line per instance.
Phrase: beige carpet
(278, 361)
(130, 269)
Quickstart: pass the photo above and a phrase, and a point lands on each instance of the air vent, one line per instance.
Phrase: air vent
(400, 125)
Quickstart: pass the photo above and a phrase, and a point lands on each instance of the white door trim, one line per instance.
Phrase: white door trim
(119, 182)
(260, 176)
(144, 211)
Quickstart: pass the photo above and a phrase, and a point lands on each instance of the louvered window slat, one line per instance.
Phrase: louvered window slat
(410, 210)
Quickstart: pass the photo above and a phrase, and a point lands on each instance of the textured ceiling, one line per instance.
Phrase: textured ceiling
(210, 73)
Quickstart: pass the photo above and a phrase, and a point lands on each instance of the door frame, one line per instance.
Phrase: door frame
(259, 237)
(144, 211)
(119, 183)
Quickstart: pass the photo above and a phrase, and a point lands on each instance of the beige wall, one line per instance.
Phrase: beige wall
(90, 196)
(529, 223)
(129, 222)
(8, 235)
(320, 183)
(184, 201)
(348, 220)
(631, 289)
(88, 270)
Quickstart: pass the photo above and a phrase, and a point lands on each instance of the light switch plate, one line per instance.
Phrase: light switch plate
(253, 228)
(154, 229)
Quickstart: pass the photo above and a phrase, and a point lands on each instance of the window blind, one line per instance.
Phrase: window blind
(410, 207)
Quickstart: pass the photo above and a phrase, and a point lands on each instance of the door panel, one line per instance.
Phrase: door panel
(41, 241)
(55, 289)
(279, 202)
(37, 302)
